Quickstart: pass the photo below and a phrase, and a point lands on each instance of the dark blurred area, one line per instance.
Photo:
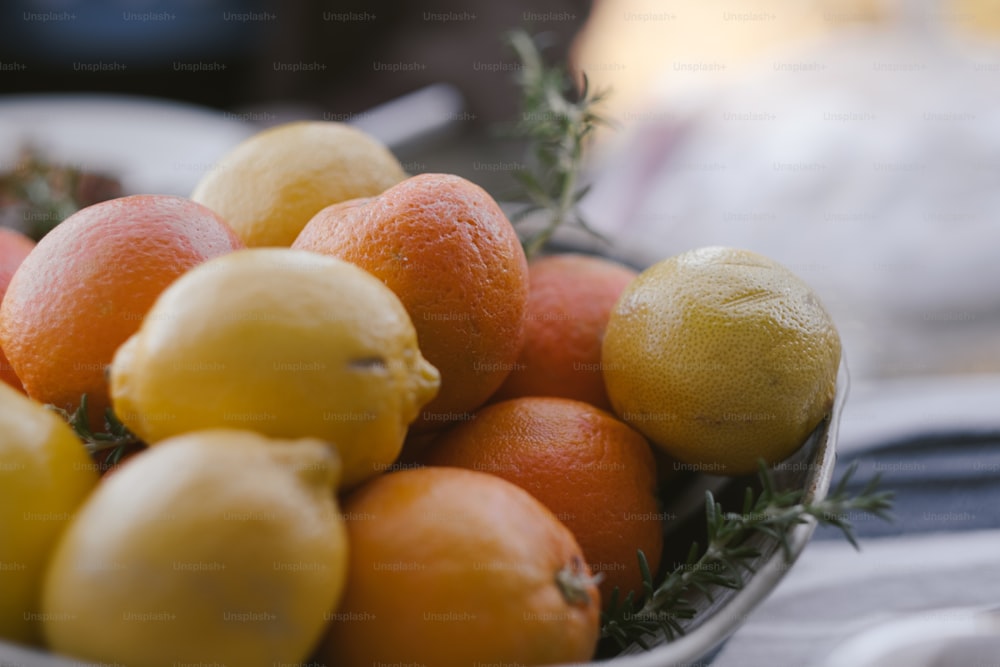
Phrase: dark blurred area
(274, 61)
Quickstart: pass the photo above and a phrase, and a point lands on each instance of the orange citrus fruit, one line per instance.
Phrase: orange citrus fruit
(570, 297)
(593, 471)
(14, 247)
(455, 567)
(87, 285)
(722, 357)
(272, 183)
(444, 246)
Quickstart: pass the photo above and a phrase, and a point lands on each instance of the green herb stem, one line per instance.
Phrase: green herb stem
(558, 126)
(727, 556)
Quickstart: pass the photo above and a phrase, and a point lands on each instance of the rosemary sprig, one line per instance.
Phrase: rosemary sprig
(727, 557)
(115, 436)
(37, 194)
(558, 124)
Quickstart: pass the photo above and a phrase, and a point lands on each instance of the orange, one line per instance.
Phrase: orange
(570, 298)
(594, 472)
(722, 357)
(444, 246)
(453, 567)
(87, 285)
(14, 247)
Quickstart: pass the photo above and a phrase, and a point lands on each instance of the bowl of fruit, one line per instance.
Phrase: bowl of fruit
(324, 411)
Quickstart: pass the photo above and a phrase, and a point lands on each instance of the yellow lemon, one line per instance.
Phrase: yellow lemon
(218, 547)
(45, 474)
(721, 357)
(285, 342)
(270, 185)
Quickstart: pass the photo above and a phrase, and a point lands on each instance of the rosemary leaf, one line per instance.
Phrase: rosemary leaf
(114, 436)
(727, 557)
(558, 125)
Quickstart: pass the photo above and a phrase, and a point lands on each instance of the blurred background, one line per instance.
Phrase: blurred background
(264, 63)
(856, 141)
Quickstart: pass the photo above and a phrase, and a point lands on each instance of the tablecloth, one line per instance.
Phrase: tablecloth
(936, 445)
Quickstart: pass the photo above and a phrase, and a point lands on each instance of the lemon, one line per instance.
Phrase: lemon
(721, 357)
(270, 185)
(285, 342)
(45, 474)
(218, 547)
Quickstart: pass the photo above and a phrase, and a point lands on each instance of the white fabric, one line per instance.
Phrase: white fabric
(834, 592)
(871, 171)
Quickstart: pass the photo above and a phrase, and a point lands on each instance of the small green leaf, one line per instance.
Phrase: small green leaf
(557, 126)
(728, 554)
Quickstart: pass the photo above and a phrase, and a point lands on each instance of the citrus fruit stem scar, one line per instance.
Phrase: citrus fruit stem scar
(573, 582)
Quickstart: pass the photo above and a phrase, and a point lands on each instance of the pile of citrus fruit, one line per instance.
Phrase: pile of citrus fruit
(362, 426)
